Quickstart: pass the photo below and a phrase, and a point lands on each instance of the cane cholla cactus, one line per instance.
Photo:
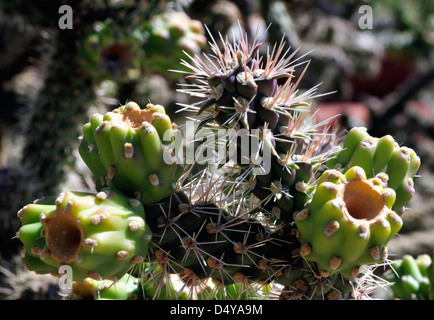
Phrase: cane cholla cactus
(126, 288)
(348, 222)
(380, 155)
(238, 87)
(306, 223)
(196, 236)
(166, 37)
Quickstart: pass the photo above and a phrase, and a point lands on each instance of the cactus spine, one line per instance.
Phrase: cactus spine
(240, 91)
(201, 240)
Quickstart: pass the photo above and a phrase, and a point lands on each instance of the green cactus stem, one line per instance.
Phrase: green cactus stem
(166, 37)
(200, 240)
(126, 288)
(430, 276)
(243, 91)
(108, 51)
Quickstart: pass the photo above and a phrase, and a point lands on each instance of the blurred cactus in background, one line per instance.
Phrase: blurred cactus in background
(283, 192)
(412, 278)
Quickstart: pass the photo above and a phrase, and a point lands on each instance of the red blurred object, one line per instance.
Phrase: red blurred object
(421, 110)
(396, 68)
(356, 112)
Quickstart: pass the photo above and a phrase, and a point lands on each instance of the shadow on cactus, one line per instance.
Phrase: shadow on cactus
(313, 223)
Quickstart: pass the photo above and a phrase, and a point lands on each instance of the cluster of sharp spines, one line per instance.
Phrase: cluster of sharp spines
(207, 242)
(302, 281)
(241, 90)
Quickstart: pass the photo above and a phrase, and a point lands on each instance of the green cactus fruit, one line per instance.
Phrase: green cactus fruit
(380, 155)
(126, 288)
(409, 278)
(348, 223)
(109, 51)
(99, 236)
(352, 140)
(128, 149)
(167, 38)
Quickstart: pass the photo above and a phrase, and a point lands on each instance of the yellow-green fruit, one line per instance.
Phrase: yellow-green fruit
(98, 236)
(380, 155)
(125, 288)
(348, 223)
(128, 148)
(168, 37)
